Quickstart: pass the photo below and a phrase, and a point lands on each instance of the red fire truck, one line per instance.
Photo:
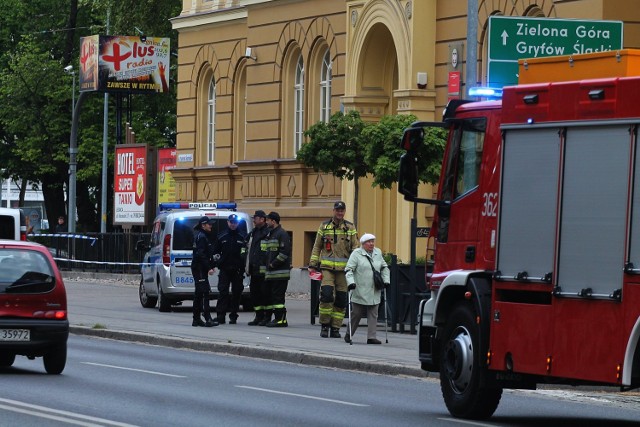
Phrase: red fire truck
(536, 235)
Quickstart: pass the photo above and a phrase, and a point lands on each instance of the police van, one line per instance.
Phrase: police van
(13, 224)
(166, 278)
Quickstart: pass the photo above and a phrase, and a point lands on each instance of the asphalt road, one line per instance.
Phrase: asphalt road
(114, 383)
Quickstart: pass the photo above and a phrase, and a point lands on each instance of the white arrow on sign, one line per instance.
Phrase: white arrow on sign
(504, 36)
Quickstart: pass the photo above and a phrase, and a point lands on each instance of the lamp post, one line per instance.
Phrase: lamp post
(72, 156)
(69, 69)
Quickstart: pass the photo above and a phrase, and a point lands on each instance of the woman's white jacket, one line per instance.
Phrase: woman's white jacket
(358, 271)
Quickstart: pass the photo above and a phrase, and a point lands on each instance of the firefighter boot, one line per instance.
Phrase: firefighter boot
(197, 321)
(266, 319)
(280, 319)
(256, 321)
(335, 333)
(324, 333)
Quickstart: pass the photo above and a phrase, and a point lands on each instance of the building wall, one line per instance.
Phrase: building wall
(377, 48)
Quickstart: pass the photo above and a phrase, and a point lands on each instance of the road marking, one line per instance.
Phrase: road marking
(57, 415)
(471, 423)
(301, 395)
(135, 370)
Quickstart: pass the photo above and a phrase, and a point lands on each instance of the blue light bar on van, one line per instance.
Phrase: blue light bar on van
(197, 205)
(486, 92)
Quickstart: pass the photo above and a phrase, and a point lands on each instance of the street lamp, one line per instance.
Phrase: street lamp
(69, 69)
(72, 155)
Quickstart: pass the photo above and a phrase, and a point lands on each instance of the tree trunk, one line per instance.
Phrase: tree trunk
(356, 193)
(53, 201)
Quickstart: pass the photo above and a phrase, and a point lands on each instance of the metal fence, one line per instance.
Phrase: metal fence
(97, 252)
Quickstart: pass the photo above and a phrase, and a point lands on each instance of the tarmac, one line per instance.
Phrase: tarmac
(299, 343)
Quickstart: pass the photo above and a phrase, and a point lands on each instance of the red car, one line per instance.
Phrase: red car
(33, 306)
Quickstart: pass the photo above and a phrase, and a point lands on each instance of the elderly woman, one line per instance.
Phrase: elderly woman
(364, 297)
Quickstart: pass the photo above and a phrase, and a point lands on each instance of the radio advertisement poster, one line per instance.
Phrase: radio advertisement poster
(124, 64)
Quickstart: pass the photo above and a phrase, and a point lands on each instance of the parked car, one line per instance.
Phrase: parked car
(13, 224)
(33, 306)
(166, 277)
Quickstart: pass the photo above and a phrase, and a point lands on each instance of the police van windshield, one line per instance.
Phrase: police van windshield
(183, 231)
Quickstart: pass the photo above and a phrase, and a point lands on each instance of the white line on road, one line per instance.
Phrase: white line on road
(57, 415)
(132, 369)
(301, 395)
(471, 423)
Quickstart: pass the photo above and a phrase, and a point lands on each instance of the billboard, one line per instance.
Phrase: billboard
(124, 64)
(166, 183)
(130, 184)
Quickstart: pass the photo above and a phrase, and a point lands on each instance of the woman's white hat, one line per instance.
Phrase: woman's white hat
(366, 237)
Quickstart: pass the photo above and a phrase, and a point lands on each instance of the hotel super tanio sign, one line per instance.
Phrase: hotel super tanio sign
(513, 38)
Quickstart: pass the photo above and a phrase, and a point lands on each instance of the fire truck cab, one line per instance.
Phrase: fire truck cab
(536, 234)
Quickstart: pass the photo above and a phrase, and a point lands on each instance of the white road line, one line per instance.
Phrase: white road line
(301, 395)
(132, 369)
(58, 415)
(471, 423)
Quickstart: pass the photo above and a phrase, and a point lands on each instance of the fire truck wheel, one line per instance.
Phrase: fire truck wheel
(461, 380)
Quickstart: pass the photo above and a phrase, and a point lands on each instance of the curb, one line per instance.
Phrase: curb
(280, 355)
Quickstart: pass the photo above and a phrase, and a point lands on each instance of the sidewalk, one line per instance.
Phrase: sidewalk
(298, 343)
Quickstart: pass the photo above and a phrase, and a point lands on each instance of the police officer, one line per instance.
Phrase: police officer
(276, 247)
(335, 240)
(230, 250)
(259, 294)
(201, 267)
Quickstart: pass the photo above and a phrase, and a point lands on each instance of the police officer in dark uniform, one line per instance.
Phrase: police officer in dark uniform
(230, 249)
(202, 266)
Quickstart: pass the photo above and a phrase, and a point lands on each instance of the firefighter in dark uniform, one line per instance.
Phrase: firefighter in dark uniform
(276, 247)
(230, 252)
(202, 266)
(259, 294)
(335, 240)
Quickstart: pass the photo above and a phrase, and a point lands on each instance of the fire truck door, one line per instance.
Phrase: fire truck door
(458, 228)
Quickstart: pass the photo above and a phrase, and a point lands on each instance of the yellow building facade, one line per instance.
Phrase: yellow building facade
(254, 74)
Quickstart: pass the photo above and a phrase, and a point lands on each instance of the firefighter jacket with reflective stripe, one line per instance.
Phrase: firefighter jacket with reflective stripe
(276, 247)
(255, 252)
(334, 243)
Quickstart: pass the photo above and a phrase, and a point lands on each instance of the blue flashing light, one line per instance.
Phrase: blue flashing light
(530, 121)
(486, 92)
(197, 205)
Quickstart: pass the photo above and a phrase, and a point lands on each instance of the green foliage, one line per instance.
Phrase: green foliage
(336, 147)
(38, 38)
(384, 151)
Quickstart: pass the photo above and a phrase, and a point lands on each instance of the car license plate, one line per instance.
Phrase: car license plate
(15, 335)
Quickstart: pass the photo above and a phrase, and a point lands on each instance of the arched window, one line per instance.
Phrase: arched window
(298, 121)
(325, 88)
(211, 123)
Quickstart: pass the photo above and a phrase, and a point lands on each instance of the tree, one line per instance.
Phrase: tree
(349, 148)
(38, 39)
(338, 148)
(383, 150)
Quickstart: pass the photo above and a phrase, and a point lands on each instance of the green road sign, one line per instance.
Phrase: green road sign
(513, 38)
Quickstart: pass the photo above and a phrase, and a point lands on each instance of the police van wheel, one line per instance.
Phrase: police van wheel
(164, 304)
(464, 389)
(146, 300)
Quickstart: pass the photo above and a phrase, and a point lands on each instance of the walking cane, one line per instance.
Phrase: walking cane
(386, 314)
(349, 309)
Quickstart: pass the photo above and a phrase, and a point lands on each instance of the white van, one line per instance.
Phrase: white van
(166, 277)
(13, 224)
